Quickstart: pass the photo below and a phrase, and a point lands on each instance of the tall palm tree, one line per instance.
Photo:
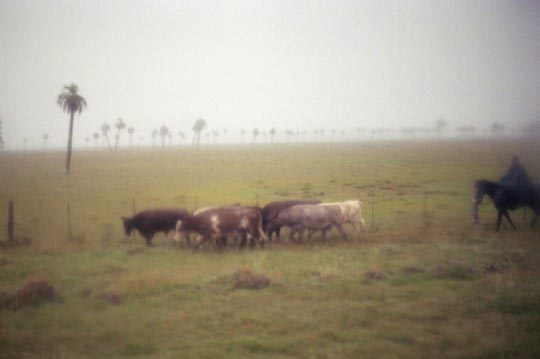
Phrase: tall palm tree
(105, 128)
(272, 134)
(163, 132)
(95, 135)
(154, 135)
(182, 136)
(120, 125)
(255, 135)
(198, 127)
(45, 138)
(131, 131)
(1, 140)
(70, 101)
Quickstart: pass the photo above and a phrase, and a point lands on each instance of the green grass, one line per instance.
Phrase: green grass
(417, 286)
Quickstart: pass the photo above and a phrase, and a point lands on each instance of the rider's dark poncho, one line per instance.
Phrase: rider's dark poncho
(517, 179)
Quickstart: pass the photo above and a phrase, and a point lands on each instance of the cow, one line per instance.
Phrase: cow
(310, 217)
(351, 212)
(149, 222)
(271, 210)
(219, 222)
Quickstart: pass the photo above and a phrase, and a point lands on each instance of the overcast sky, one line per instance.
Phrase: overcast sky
(284, 64)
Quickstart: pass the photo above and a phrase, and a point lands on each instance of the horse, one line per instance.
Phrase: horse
(505, 199)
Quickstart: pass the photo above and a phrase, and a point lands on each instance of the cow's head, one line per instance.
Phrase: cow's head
(128, 225)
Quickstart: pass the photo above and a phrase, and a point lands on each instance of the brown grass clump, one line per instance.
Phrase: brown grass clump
(245, 279)
(33, 292)
(3, 262)
(373, 276)
(113, 297)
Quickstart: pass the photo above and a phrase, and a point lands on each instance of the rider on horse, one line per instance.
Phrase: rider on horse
(516, 179)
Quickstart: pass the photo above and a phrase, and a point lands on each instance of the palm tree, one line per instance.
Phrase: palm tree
(198, 127)
(45, 138)
(182, 136)
(272, 134)
(242, 133)
(154, 135)
(1, 140)
(105, 128)
(95, 135)
(163, 132)
(120, 125)
(131, 131)
(255, 135)
(70, 101)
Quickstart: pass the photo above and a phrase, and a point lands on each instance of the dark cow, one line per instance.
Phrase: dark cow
(311, 217)
(271, 210)
(216, 223)
(149, 222)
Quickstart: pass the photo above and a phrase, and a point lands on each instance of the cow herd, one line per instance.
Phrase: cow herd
(248, 224)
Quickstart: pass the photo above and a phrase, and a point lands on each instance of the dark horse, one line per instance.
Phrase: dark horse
(504, 200)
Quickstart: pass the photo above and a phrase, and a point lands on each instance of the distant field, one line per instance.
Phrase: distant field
(422, 283)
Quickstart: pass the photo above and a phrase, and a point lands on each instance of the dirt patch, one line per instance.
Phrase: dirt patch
(113, 297)
(4, 262)
(321, 278)
(369, 277)
(33, 292)
(246, 279)
(412, 270)
(453, 271)
(135, 251)
(495, 268)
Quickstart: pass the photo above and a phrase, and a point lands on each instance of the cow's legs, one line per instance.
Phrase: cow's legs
(278, 233)
(341, 231)
(148, 238)
(324, 231)
(200, 240)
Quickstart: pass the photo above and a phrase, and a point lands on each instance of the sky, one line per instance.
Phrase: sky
(299, 65)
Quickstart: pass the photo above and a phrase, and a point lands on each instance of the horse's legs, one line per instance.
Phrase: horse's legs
(499, 219)
(507, 215)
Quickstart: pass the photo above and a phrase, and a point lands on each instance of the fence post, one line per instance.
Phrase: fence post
(69, 219)
(372, 210)
(133, 207)
(425, 209)
(10, 221)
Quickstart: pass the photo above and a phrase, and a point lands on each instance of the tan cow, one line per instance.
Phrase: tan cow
(351, 212)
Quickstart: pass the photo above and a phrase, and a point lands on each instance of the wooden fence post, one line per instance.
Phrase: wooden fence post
(11, 228)
(69, 220)
(372, 210)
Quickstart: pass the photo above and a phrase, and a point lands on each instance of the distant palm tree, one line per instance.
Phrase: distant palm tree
(242, 133)
(95, 135)
(255, 135)
(163, 132)
(182, 136)
(120, 125)
(70, 101)
(131, 131)
(105, 128)
(198, 127)
(154, 135)
(45, 138)
(272, 134)
(1, 140)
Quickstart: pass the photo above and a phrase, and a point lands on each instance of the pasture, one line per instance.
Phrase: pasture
(422, 283)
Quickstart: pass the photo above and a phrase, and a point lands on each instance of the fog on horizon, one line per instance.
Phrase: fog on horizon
(355, 70)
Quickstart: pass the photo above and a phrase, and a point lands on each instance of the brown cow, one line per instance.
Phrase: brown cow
(149, 222)
(216, 223)
(271, 210)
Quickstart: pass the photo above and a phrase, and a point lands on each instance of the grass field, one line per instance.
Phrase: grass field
(422, 283)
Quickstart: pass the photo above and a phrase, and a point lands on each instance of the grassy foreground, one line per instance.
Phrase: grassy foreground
(423, 283)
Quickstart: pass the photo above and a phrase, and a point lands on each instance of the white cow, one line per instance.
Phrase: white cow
(351, 212)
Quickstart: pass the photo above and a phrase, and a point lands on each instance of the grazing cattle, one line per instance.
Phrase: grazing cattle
(310, 217)
(216, 223)
(351, 212)
(149, 222)
(271, 210)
